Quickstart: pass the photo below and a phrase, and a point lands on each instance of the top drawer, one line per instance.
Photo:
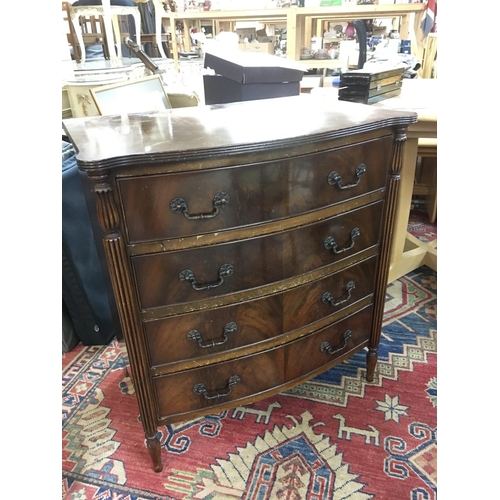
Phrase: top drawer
(176, 205)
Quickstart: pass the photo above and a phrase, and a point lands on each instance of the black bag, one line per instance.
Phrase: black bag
(84, 292)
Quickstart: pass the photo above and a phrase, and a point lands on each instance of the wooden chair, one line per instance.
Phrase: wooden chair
(112, 19)
(156, 49)
(92, 32)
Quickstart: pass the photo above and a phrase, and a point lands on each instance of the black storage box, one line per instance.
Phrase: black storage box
(369, 86)
(247, 76)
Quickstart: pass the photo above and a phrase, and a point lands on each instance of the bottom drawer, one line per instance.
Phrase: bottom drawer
(308, 354)
(231, 381)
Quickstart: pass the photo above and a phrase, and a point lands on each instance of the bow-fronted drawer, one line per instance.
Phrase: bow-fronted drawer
(166, 206)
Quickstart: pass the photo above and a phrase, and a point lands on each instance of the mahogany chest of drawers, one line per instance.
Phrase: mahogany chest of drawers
(247, 244)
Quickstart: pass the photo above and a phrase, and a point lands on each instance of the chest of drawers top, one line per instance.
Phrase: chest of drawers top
(187, 133)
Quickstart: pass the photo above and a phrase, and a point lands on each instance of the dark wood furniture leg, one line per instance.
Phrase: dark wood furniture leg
(114, 248)
(386, 244)
(154, 448)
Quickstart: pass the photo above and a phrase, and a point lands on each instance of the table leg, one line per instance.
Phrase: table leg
(397, 265)
(419, 253)
(175, 46)
(108, 26)
(186, 37)
(407, 252)
(159, 22)
(295, 26)
(137, 21)
(117, 34)
(75, 19)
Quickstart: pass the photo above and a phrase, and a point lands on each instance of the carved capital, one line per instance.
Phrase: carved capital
(401, 133)
(107, 213)
(397, 159)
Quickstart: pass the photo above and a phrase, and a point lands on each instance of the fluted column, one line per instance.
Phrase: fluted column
(114, 248)
(385, 250)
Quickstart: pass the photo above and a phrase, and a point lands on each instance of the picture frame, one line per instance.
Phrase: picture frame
(132, 96)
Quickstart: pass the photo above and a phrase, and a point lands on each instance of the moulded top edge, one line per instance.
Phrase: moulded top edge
(104, 142)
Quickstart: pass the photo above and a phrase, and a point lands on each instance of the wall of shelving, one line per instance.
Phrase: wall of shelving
(301, 23)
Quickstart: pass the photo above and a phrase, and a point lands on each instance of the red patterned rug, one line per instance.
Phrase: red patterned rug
(420, 227)
(334, 437)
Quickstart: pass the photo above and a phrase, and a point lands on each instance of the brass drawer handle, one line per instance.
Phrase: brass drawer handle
(188, 275)
(331, 244)
(326, 347)
(179, 206)
(195, 336)
(334, 178)
(327, 297)
(200, 388)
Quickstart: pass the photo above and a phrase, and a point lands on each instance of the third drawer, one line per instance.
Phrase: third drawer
(206, 333)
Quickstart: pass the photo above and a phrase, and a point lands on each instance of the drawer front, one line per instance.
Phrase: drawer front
(310, 353)
(194, 335)
(249, 194)
(220, 383)
(191, 275)
(250, 375)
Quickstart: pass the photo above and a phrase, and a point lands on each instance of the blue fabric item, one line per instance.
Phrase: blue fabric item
(84, 290)
(93, 51)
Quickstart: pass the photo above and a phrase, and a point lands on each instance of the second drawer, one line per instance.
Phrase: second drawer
(170, 278)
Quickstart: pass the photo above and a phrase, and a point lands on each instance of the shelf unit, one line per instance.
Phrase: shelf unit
(302, 23)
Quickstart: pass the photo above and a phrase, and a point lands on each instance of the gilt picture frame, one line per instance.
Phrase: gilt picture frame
(132, 96)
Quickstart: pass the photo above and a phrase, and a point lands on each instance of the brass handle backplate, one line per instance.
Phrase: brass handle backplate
(327, 297)
(179, 206)
(331, 244)
(326, 347)
(334, 178)
(195, 336)
(188, 276)
(201, 390)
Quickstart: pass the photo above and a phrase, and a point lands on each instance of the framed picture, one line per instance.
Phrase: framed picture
(133, 96)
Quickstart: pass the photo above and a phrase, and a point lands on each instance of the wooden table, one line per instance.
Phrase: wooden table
(409, 253)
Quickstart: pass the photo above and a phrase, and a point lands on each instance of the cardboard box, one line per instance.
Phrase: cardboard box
(265, 48)
(249, 33)
(246, 76)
